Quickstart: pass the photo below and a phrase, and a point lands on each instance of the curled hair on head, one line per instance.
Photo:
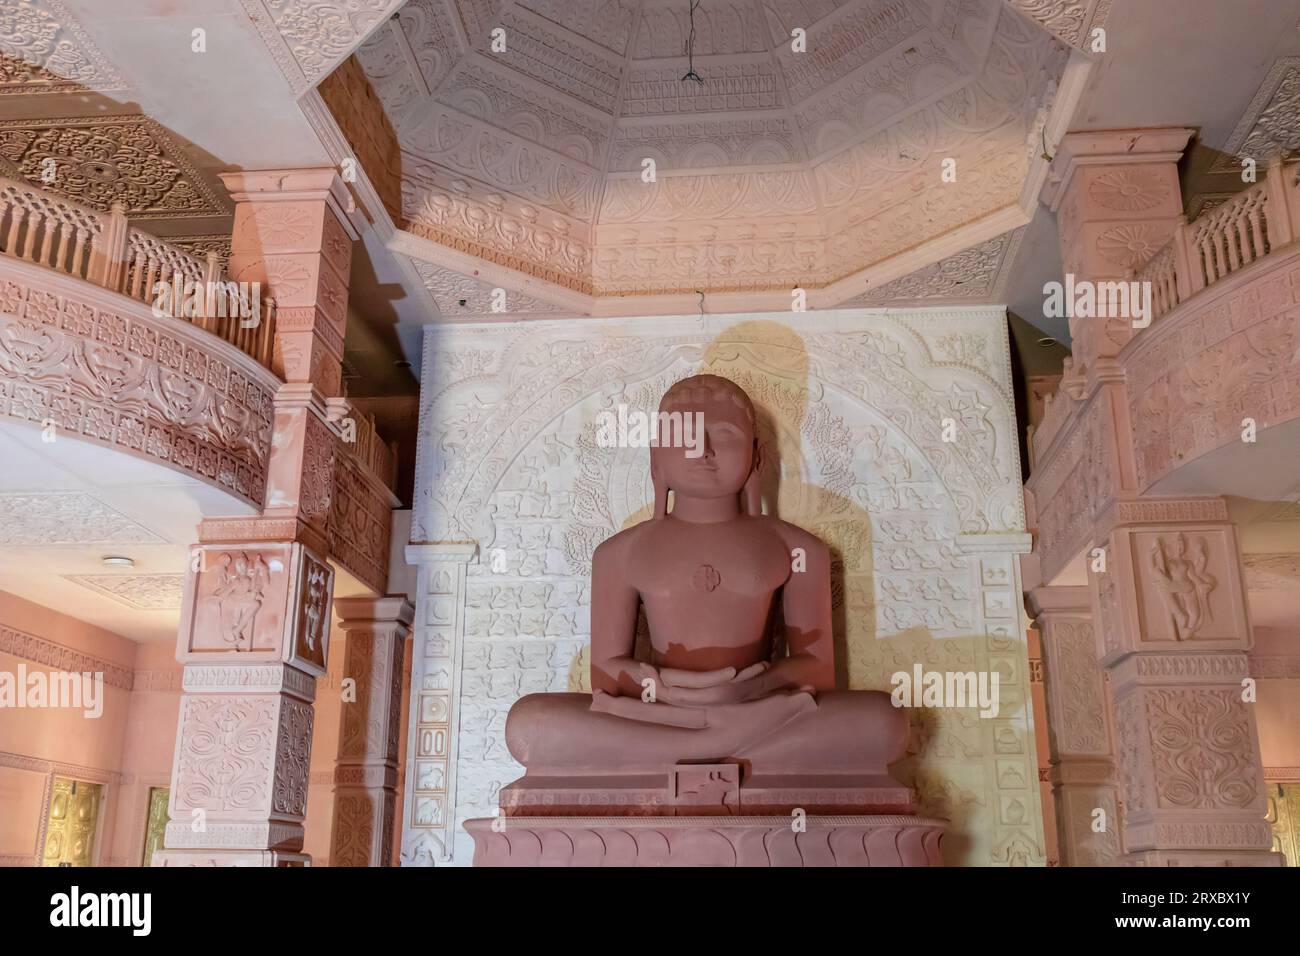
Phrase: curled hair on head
(705, 388)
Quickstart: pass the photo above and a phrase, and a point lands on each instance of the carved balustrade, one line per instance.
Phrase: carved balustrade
(103, 248)
(1225, 240)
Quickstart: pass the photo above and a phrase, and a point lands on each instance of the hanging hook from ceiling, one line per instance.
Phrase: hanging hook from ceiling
(690, 46)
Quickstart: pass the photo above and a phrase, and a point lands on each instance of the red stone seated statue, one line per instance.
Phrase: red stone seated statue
(731, 713)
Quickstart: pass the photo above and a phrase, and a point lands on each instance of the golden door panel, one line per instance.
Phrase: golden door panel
(155, 823)
(71, 825)
(1284, 815)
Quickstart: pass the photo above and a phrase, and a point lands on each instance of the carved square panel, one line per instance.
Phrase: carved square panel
(100, 160)
(1188, 585)
(236, 602)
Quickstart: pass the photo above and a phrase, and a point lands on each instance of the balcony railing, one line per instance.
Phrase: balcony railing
(105, 249)
(1228, 238)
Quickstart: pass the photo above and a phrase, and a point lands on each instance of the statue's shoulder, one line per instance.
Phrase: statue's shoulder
(617, 545)
(793, 535)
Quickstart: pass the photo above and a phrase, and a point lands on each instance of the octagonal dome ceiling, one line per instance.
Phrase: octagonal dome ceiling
(530, 168)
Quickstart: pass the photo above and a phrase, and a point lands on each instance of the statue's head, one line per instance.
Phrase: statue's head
(723, 460)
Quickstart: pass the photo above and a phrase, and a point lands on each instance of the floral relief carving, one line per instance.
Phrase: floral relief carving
(1129, 190)
(1267, 129)
(149, 592)
(1203, 748)
(227, 745)
(292, 758)
(1073, 668)
(1130, 246)
(106, 159)
(307, 38)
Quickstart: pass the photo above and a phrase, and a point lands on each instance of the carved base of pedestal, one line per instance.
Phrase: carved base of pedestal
(230, 858)
(705, 790)
(706, 841)
(1203, 858)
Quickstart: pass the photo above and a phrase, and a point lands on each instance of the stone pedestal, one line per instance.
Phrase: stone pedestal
(365, 775)
(707, 841)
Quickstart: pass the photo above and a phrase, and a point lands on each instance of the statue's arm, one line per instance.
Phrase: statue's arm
(806, 603)
(614, 604)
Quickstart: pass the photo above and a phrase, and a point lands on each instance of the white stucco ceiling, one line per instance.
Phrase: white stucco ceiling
(525, 168)
(66, 504)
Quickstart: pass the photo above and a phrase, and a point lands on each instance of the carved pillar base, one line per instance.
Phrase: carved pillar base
(365, 776)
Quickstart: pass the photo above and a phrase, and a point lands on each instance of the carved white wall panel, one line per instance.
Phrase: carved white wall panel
(852, 409)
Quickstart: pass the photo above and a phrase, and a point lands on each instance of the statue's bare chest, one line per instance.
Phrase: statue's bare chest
(735, 562)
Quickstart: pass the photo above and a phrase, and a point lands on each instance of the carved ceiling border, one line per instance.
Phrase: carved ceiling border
(42, 41)
(1270, 119)
(309, 38)
(1070, 21)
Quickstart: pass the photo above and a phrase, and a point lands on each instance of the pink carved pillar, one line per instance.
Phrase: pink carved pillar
(1173, 635)
(1117, 201)
(291, 234)
(365, 775)
(1083, 771)
(255, 621)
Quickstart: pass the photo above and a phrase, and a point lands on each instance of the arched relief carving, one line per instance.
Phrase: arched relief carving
(872, 366)
(510, 456)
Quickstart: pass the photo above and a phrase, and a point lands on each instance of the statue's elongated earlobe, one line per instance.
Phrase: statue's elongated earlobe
(752, 494)
(661, 492)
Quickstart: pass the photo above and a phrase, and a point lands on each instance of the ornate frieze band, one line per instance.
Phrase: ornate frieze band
(51, 654)
(99, 366)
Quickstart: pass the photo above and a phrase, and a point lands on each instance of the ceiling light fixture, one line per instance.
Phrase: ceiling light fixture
(690, 46)
(116, 561)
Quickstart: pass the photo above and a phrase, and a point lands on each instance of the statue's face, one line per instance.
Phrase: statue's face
(717, 465)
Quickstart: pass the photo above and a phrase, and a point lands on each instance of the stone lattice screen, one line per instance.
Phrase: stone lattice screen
(851, 407)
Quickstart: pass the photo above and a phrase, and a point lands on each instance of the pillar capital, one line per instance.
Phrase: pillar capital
(1114, 147)
(311, 184)
(293, 234)
(1117, 201)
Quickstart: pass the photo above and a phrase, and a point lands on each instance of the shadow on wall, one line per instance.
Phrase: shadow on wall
(771, 362)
